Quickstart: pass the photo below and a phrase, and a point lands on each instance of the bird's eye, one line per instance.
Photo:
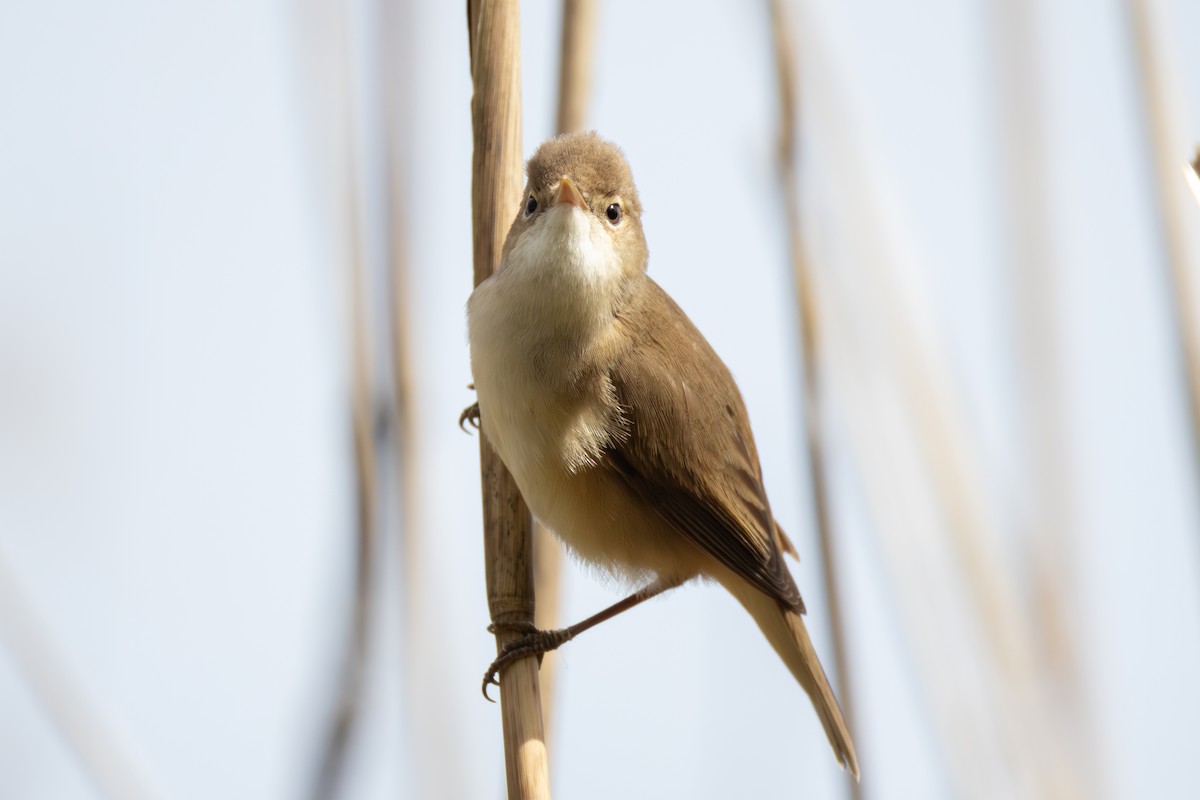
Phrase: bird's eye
(613, 213)
(530, 205)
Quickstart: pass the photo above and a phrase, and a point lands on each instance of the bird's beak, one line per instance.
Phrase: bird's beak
(567, 193)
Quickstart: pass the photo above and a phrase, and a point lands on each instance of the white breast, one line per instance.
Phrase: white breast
(529, 325)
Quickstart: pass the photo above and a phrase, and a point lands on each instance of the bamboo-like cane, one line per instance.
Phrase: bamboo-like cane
(574, 78)
(494, 39)
(351, 681)
(1163, 107)
(84, 731)
(809, 324)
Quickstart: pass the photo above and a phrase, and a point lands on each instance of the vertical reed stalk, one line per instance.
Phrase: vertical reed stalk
(84, 731)
(1163, 108)
(394, 46)
(574, 79)
(1192, 171)
(575, 63)
(809, 325)
(494, 40)
(914, 353)
(1027, 244)
(352, 680)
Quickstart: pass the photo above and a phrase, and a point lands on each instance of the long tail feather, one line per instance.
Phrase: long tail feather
(785, 630)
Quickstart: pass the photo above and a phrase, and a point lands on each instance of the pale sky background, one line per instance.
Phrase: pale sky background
(175, 496)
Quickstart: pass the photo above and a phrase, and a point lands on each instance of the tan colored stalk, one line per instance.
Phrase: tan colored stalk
(1164, 107)
(351, 681)
(574, 79)
(1192, 171)
(494, 39)
(575, 63)
(403, 414)
(810, 354)
(84, 731)
(953, 677)
(1028, 246)
(906, 341)
(395, 66)
(426, 687)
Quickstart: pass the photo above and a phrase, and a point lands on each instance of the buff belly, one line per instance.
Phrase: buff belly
(589, 508)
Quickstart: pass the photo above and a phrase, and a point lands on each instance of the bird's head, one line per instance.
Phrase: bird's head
(579, 213)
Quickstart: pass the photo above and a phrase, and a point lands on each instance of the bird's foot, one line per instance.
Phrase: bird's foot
(470, 414)
(531, 642)
(521, 628)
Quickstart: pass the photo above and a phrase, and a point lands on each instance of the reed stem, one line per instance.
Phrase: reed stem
(494, 38)
(809, 332)
(1164, 107)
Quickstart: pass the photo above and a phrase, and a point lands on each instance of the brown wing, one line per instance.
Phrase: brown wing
(708, 484)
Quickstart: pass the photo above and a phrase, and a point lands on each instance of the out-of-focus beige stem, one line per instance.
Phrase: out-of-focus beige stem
(84, 732)
(809, 323)
(395, 18)
(575, 63)
(427, 686)
(494, 36)
(1164, 104)
(352, 678)
(547, 579)
(1192, 172)
(909, 347)
(1028, 247)
(574, 80)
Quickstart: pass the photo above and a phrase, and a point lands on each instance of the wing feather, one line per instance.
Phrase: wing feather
(707, 483)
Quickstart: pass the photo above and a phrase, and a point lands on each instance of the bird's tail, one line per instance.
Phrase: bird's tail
(785, 630)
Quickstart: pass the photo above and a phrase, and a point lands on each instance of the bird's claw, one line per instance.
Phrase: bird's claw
(522, 628)
(470, 414)
(533, 643)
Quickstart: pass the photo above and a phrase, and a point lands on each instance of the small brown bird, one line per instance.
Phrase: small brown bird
(622, 427)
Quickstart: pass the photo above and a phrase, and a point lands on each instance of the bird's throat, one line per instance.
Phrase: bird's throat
(562, 280)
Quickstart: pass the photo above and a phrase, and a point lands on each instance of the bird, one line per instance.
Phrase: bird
(623, 429)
